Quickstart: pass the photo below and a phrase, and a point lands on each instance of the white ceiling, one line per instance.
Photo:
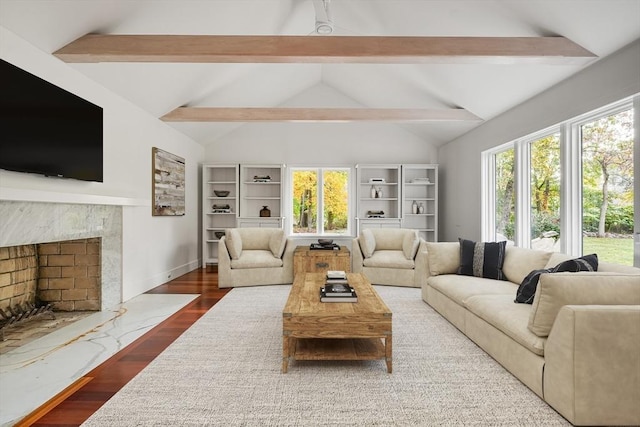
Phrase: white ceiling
(601, 26)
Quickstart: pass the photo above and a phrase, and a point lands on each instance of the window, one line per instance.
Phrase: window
(505, 197)
(607, 187)
(320, 201)
(545, 193)
(569, 188)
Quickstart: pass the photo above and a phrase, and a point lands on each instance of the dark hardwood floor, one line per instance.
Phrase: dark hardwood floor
(81, 399)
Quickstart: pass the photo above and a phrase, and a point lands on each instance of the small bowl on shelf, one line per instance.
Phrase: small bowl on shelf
(221, 193)
(219, 234)
(325, 242)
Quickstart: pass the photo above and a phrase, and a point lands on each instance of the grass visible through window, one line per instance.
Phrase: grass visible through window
(615, 250)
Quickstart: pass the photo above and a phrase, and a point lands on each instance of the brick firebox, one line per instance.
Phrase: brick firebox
(65, 274)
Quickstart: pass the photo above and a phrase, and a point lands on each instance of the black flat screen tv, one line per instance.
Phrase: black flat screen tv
(47, 130)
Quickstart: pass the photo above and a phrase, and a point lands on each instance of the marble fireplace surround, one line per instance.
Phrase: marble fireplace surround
(25, 222)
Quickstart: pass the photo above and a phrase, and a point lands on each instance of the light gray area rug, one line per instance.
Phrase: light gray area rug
(225, 371)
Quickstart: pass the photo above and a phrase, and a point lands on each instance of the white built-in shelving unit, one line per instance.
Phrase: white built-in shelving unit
(420, 199)
(378, 196)
(261, 186)
(218, 212)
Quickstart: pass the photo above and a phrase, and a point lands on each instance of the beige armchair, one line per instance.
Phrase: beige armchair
(255, 256)
(391, 256)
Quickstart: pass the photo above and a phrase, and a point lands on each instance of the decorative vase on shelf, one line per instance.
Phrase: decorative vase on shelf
(374, 193)
(414, 207)
(265, 211)
(379, 193)
(421, 208)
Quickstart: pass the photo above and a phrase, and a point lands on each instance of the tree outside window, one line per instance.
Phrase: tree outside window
(320, 201)
(545, 193)
(607, 187)
(505, 198)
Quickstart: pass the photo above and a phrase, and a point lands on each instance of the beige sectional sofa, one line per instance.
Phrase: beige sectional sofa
(577, 346)
(390, 256)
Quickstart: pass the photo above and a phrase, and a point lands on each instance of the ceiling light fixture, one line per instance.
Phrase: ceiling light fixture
(324, 28)
(324, 23)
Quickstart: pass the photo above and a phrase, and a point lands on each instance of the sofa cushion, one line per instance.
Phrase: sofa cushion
(389, 238)
(617, 268)
(277, 242)
(527, 289)
(410, 244)
(482, 259)
(367, 243)
(257, 237)
(389, 259)
(256, 258)
(511, 319)
(582, 288)
(461, 288)
(444, 257)
(234, 242)
(519, 262)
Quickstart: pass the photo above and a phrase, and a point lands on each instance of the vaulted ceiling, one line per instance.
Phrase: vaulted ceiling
(313, 89)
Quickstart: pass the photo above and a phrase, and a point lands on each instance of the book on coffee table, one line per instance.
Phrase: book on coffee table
(339, 289)
(336, 274)
(346, 297)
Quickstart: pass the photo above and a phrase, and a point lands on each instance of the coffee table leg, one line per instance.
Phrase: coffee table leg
(388, 346)
(285, 353)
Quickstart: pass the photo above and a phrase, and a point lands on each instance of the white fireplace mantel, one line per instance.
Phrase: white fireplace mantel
(28, 195)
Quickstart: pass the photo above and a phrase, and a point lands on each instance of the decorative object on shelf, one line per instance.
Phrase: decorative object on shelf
(375, 214)
(420, 208)
(221, 193)
(168, 184)
(265, 211)
(377, 180)
(262, 178)
(221, 209)
(218, 234)
(414, 207)
(379, 193)
(374, 193)
(421, 181)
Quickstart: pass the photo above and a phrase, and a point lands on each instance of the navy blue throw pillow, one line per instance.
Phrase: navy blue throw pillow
(527, 289)
(481, 259)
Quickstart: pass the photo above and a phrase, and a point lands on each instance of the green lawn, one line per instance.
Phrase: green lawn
(619, 251)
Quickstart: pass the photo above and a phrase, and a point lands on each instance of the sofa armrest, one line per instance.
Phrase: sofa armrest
(422, 265)
(224, 264)
(592, 364)
(357, 258)
(287, 259)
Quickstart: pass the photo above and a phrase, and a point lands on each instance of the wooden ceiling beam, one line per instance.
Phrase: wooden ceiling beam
(215, 114)
(326, 49)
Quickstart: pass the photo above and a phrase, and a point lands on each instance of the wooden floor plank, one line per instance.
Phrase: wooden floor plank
(78, 402)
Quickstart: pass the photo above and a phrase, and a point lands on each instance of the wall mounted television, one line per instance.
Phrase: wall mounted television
(47, 130)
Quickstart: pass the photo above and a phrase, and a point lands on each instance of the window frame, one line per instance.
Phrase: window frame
(570, 177)
(320, 203)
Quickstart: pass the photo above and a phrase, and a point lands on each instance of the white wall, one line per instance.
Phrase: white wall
(606, 81)
(320, 144)
(153, 247)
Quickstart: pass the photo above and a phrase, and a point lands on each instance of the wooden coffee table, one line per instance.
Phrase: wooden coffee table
(313, 330)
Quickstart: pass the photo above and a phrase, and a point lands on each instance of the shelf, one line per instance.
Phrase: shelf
(262, 198)
(378, 184)
(262, 183)
(220, 182)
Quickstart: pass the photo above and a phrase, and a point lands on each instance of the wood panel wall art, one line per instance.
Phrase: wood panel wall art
(168, 184)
